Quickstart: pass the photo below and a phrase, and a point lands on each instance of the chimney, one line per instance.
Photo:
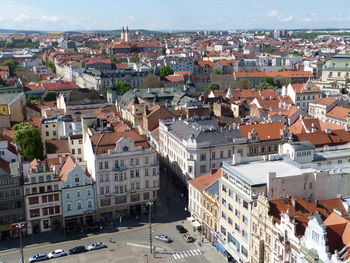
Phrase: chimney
(316, 202)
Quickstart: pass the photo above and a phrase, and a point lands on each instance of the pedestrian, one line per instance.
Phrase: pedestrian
(110, 239)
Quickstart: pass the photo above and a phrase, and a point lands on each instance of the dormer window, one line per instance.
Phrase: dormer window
(125, 148)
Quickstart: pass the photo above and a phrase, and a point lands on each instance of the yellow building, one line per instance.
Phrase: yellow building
(261, 248)
(210, 210)
(4, 109)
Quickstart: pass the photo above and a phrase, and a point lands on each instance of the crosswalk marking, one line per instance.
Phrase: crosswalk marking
(187, 253)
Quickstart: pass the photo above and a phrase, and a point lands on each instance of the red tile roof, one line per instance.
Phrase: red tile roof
(265, 131)
(205, 180)
(265, 74)
(62, 85)
(324, 101)
(339, 113)
(4, 165)
(319, 139)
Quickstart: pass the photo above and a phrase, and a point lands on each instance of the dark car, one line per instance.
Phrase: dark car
(77, 250)
(181, 229)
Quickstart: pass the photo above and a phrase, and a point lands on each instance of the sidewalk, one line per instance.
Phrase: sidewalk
(61, 236)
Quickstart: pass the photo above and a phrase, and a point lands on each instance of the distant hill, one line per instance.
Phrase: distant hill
(9, 31)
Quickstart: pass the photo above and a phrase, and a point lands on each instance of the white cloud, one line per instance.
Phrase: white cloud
(52, 19)
(272, 13)
(22, 18)
(285, 19)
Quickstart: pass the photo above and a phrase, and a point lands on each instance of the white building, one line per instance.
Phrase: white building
(193, 146)
(126, 171)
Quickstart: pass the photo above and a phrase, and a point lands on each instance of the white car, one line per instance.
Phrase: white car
(96, 245)
(163, 238)
(57, 253)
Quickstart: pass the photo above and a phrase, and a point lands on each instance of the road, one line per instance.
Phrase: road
(120, 239)
(171, 212)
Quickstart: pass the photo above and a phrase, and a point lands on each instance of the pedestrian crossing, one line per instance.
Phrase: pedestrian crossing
(187, 253)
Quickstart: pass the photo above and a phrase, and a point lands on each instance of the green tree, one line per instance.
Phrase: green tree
(212, 86)
(49, 96)
(135, 59)
(113, 60)
(217, 72)
(28, 140)
(243, 84)
(51, 65)
(12, 65)
(122, 87)
(166, 71)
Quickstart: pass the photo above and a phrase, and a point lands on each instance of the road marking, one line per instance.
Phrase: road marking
(187, 253)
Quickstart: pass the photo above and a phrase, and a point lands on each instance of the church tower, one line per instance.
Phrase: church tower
(122, 34)
(126, 35)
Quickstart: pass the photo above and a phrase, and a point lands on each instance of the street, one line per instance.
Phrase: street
(130, 243)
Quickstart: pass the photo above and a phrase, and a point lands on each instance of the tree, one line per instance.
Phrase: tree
(51, 65)
(243, 84)
(212, 86)
(166, 71)
(12, 65)
(113, 60)
(49, 96)
(151, 81)
(135, 59)
(122, 87)
(28, 140)
(217, 72)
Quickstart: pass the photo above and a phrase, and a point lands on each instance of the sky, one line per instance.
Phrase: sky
(61, 15)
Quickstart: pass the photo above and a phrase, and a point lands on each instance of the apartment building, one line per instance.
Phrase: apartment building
(78, 195)
(42, 198)
(302, 173)
(192, 147)
(126, 172)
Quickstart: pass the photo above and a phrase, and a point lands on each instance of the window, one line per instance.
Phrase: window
(89, 192)
(238, 199)
(224, 188)
(69, 207)
(315, 236)
(203, 168)
(154, 184)
(89, 203)
(33, 200)
(203, 157)
(146, 196)
(223, 202)
(101, 178)
(310, 185)
(137, 161)
(190, 169)
(245, 204)
(131, 161)
(237, 227)
(105, 202)
(47, 134)
(80, 141)
(76, 179)
(213, 155)
(79, 205)
(237, 213)
(223, 214)
(223, 230)
(132, 174)
(244, 234)
(147, 184)
(146, 160)
(146, 172)
(137, 186)
(230, 207)
(68, 195)
(78, 193)
(244, 251)
(135, 197)
(107, 177)
(79, 151)
(154, 171)
(137, 173)
(100, 165)
(106, 165)
(102, 190)
(107, 189)
(116, 164)
(34, 212)
(245, 219)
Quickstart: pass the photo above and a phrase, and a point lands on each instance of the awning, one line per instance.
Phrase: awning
(220, 248)
(196, 224)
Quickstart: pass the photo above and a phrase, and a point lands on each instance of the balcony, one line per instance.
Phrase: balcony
(119, 168)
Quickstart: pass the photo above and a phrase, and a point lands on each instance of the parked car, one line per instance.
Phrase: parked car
(181, 229)
(38, 257)
(96, 245)
(57, 253)
(188, 238)
(77, 250)
(164, 238)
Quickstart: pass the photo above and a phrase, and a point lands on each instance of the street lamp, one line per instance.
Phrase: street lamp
(149, 204)
(19, 226)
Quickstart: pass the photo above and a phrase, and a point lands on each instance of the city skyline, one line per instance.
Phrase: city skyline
(193, 15)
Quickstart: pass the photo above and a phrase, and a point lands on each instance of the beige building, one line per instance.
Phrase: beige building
(262, 227)
(49, 129)
(76, 147)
